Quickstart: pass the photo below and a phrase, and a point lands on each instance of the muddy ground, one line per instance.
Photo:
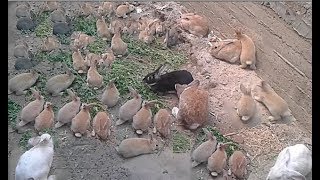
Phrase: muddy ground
(88, 158)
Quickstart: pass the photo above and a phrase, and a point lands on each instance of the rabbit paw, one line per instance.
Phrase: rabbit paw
(80, 71)
(243, 66)
(154, 130)
(229, 172)
(139, 132)
(78, 135)
(93, 133)
(271, 118)
(214, 174)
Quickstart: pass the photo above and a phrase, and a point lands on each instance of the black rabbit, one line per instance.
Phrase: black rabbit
(162, 82)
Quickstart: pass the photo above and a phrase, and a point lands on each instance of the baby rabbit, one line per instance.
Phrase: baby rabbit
(106, 9)
(172, 36)
(23, 10)
(118, 47)
(111, 95)
(146, 36)
(49, 6)
(218, 160)
(205, 150)
(102, 29)
(59, 15)
(195, 24)
(107, 59)
(81, 122)
(163, 121)
(124, 9)
(228, 50)
(91, 57)
(86, 9)
(102, 125)
(19, 83)
(293, 162)
(132, 27)
(78, 61)
(59, 83)
(82, 40)
(132, 147)
(45, 118)
(49, 44)
(94, 79)
(21, 50)
(130, 108)
(246, 106)
(36, 162)
(69, 110)
(248, 51)
(238, 164)
(142, 120)
(116, 26)
(33, 109)
(277, 106)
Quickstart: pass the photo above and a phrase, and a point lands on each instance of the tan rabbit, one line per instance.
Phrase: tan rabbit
(49, 44)
(102, 125)
(91, 57)
(228, 50)
(49, 6)
(162, 121)
(94, 79)
(106, 9)
(218, 160)
(78, 61)
(238, 164)
(32, 109)
(118, 47)
(23, 10)
(115, 26)
(146, 37)
(107, 59)
(130, 108)
(205, 150)
(193, 110)
(132, 147)
(142, 120)
(69, 110)
(45, 118)
(59, 83)
(132, 27)
(102, 29)
(19, 83)
(111, 95)
(21, 50)
(83, 40)
(277, 106)
(86, 9)
(195, 24)
(81, 122)
(248, 52)
(246, 106)
(124, 9)
(58, 15)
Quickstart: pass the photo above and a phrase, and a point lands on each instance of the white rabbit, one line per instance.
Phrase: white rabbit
(293, 162)
(36, 162)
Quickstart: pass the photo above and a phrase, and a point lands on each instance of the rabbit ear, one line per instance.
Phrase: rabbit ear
(294, 175)
(244, 90)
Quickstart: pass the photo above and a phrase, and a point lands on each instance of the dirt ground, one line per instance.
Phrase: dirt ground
(88, 158)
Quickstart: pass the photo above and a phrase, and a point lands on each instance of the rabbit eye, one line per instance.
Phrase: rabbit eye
(215, 47)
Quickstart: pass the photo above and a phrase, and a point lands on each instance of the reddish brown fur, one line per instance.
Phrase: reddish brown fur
(238, 164)
(45, 118)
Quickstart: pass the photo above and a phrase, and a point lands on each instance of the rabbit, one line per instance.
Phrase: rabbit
(162, 82)
(107, 59)
(116, 26)
(58, 15)
(218, 160)
(142, 120)
(194, 24)
(21, 50)
(94, 79)
(172, 36)
(49, 6)
(59, 83)
(146, 37)
(19, 83)
(45, 118)
(81, 122)
(132, 147)
(32, 109)
(162, 121)
(106, 9)
(61, 28)
(123, 10)
(102, 125)
(238, 164)
(78, 61)
(277, 106)
(111, 95)
(26, 23)
(86, 9)
(102, 29)
(83, 40)
(36, 162)
(132, 27)
(23, 10)
(130, 108)
(193, 110)
(158, 27)
(228, 50)
(91, 57)
(49, 44)
(205, 150)
(246, 106)
(293, 162)
(118, 47)
(248, 50)
(69, 110)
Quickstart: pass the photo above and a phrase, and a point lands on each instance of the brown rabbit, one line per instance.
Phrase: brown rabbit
(78, 61)
(106, 9)
(124, 9)
(86, 9)
(195, 24)
(132, 27)
(238, 164)
(59, 83)
(118, 47)
(81, 122)
(130, 108)
(102, 125)
(172, 36)
(19, 83)
(218, 160)
(49, 6)
(58, 15)
(69, 110)
(33, 109)
(102, 29)
(83, 40)
(246, 106)
(193, 108)
(49, 44)
(248, 52)
(163, 121)
(205, 150)
(94, 79)
(142, 120)
(45, 118)
(116, 26)
(277, 106)
(228, 50)
(107, 59)
(132, 147)
(111, 95)
(23, 10)
(91, 57)
(21, 50)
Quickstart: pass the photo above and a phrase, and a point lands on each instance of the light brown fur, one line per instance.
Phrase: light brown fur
(86, 9)
(218, 160)
(82, 40)
(81, 122)
(118, 46)
(102, 29)
(106, 9)
(116, 26)
(21, 50)
(248, 52)
(49, 44)
(102, 124)
(142, 120)
(19, 83)
(246, 106)
(78, 62)
(238, 164)
(195, 24)
(58, 15)
(94, 79)
(111, 95)
(49, 6)
(107, 59)
(162, 121)
(45, 118)
(123, 10)
(59, 83)
(228, 50)
(23, 10)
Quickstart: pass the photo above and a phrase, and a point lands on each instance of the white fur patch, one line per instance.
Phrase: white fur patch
(175, 111)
